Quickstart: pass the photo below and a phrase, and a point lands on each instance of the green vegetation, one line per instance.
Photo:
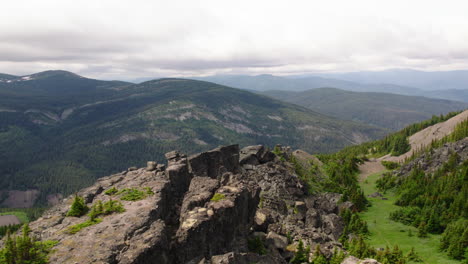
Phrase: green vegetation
(354, 225)
(25, 249)
(111, 191)
(218, 197)
(78, 207)
(455, 239)
(133, 194)
(301, 255)
(25, 215)
(76, 228)
(106, 208)
(384, 232)
(435, 199)
(255, 245)
(390, 165)
(98, 209)
(8, 228)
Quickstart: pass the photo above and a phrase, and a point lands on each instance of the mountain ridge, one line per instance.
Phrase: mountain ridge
(379, 109)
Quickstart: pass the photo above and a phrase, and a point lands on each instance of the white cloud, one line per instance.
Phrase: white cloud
(128, 39)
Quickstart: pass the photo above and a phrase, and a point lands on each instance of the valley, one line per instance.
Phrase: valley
(388, 233)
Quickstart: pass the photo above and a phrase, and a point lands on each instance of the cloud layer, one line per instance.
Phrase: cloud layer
(131, 39)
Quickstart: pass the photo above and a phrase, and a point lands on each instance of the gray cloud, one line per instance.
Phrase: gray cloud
(130, 39)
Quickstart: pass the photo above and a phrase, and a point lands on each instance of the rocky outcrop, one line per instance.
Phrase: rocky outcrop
(433, 160)
(206, 208)
(353, 260)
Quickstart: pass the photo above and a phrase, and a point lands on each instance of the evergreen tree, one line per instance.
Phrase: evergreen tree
(413, 256)
(301, 255)
(422, 230)
(24, 249)
(78, 207)
(319, 258)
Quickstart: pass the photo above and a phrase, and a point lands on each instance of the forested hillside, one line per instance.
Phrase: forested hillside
(385, 110)
(266, 82)
(59, 142)
(429, 192)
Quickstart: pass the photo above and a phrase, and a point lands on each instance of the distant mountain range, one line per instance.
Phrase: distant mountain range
(60, 131)
(385, 110)
(303, 83)
(435, 80)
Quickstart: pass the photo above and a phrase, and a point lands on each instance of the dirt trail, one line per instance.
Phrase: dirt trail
(424, 137)
(370, 167)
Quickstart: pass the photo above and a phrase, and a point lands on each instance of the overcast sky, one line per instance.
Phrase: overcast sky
(131, 39)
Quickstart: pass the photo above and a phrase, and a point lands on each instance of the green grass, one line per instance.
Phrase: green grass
(385, 232)
(218, 197)
(22, 216)
(111, 191)
(133, 194)
(76, 228)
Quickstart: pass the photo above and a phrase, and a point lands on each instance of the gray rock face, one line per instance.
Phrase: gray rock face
(285, 208)
(201, 209)
(430, 162)
(214, 163)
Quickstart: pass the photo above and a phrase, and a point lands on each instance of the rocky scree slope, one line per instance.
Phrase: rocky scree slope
(431, 161)
(205, 208)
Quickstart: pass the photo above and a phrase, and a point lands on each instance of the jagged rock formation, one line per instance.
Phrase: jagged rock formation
(200, 209)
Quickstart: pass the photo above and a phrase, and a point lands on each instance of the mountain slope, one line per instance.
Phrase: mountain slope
(380, 109)
(61, 147)
(54, 90)
(294, 83)
(436, 80)
(425, 137)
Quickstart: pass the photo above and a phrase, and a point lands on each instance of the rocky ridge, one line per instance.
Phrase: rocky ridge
(206, 208)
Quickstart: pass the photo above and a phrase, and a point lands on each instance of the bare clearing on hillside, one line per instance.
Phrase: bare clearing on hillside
(370, 167)
(424, 137)
(6, 220)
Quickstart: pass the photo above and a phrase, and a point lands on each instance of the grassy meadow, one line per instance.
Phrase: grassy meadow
(385, 232)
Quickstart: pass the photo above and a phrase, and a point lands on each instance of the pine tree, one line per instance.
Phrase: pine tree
(302, 254)
(338, 257)
(78, 207)
(413, 256)
(422, 230)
